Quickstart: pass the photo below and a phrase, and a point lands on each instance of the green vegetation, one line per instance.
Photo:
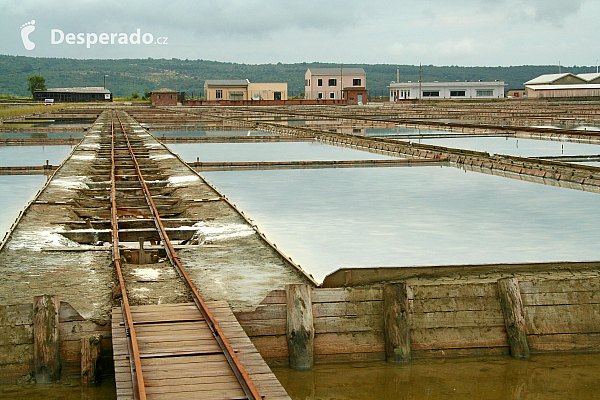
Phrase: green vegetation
(142, 75)
(25, 110)
(36, 82)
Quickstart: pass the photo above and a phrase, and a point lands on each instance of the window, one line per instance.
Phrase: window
(431, 93)
(219, 94)
(332, 95)
(319, 82)
(276, 95)
(307, 82)
(159, 96)
(320, 95)
(356, 82)
(488, 93)
(333, 82)
(458, 93)
(170, 96)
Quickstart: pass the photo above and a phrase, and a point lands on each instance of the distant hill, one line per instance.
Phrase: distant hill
(139, 75)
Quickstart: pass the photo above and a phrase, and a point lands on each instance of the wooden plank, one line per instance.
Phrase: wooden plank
(323, 309)
(564, 342)
(359, 323)
(454, 290)
(12, 335)
(470, 352)
(575, 318)
(341, 343)
(458, 338)
(74, 330)
(265, 327)
(18, 314)
(456, 319)
(10, 372)
(17, 354)
(560, 298)
(561, 286)
(473, 303)
(326, 295)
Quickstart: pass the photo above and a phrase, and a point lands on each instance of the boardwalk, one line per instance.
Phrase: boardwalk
(181, 359)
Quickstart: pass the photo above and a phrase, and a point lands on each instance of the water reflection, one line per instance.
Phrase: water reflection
(367, 217)
(260, 151)
(11, 156)
(15, 192)
(200, 133)
(566, 376)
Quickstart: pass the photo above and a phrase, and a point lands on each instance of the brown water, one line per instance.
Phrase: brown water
(570, 376)
(66, 389)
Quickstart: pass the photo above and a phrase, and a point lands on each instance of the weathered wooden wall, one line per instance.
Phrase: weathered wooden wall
(16, 341)
(444, 319)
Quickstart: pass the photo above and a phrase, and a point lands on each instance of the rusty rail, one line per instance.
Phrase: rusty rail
(237, 368)
(139, 389)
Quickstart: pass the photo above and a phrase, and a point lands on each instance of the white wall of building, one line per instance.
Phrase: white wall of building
(446, 90)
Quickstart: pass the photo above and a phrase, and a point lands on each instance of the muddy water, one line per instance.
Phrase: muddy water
(15, 192)
(67, 389)
(573, 376)
(200, 133)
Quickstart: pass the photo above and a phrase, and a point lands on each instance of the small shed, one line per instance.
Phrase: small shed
(164, 97)
(355, 95)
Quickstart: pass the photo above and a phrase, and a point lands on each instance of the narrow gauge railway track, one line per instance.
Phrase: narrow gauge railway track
(123, 161)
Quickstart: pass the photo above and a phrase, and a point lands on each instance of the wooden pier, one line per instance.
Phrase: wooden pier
(181, 359)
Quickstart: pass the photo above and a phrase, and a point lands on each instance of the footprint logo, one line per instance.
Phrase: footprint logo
(26, 29)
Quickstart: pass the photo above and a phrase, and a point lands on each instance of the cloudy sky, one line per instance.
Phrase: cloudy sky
(438, 32)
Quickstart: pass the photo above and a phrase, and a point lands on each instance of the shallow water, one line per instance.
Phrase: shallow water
(15, 192)
(567, 376)
(367, 217)
(516, 147)
(12, 156)
(41, 135)
(201, 133)
(259, 152)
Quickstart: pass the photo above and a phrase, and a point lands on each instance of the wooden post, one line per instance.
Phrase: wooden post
(512, 308)
(91, 349)
(396, 327)
(46, 356)
(300, 330)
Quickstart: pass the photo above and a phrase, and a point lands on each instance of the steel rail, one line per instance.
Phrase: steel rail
(238, 369)
(139, 388)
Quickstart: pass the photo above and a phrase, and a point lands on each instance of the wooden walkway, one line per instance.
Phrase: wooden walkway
(181, 359)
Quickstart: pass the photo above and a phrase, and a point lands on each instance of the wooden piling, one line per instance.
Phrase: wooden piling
(300, 330)
(46, 356)
(396, 325)
(91, 349)
(512, 308)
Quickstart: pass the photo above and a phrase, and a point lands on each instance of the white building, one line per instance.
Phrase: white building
(446, 90)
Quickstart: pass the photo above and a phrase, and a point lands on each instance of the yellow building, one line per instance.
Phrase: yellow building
(243, 89)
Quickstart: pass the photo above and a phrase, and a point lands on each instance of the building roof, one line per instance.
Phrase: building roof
(89, 89)
(337, 71)
(590, 76)
(559, 87)
(164, 90)
(548, 79)
(226, 82)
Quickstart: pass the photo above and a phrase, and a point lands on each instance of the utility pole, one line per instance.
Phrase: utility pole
(420, 81)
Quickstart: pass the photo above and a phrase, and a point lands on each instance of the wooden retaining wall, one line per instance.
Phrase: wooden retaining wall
(445, 320)
(16, 341)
